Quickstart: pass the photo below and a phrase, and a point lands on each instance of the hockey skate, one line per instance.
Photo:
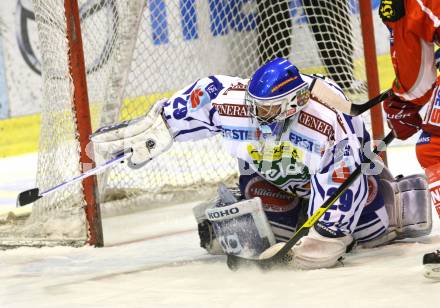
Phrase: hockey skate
(431, 262)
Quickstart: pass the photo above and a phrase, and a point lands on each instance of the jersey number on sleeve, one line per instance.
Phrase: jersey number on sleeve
(345, 200)
(179, 113)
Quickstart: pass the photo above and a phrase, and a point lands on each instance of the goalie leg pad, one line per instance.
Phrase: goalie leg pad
(242, 228)
(408, 206)
(415, 216)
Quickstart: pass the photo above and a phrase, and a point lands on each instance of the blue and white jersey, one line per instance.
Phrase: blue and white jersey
(309, 156)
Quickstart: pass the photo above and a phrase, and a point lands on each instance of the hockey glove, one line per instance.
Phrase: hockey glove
(146, 137)
(403, 117)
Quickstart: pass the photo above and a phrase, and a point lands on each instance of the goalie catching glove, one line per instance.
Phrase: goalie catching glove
(146, 137)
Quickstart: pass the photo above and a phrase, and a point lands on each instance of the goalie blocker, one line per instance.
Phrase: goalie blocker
(242, 228)
(227, 225)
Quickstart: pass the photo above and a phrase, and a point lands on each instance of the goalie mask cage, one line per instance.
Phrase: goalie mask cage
(138, 51)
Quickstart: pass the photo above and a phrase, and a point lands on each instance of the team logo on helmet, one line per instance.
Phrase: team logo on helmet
(303, 96)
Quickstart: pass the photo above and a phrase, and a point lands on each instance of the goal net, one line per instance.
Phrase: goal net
(137, 52)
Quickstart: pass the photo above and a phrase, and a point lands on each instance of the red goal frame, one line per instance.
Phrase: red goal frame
(83, 120)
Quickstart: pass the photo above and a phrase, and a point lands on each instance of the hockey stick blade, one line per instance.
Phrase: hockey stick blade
(235, 262)
(324, 93)
(28, 196)
(359, 109)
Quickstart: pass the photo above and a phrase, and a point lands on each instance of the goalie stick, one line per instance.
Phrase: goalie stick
(235, 262)
(32, 195)
(321, 91)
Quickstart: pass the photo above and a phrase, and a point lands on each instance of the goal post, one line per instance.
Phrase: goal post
(136, 52)
(371, 69)
(81, 112)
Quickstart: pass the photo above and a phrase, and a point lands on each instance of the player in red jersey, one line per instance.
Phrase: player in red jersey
(414, 27)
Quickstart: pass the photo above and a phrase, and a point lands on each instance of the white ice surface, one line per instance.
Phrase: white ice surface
(16, 174)
(153, 260)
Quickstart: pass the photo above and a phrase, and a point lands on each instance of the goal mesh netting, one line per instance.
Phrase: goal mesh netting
(137, 52)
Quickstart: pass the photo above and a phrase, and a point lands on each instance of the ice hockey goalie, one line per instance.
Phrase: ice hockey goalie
(293, 152)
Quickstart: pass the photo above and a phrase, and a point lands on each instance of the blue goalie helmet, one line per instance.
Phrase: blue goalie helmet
(276, 92)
